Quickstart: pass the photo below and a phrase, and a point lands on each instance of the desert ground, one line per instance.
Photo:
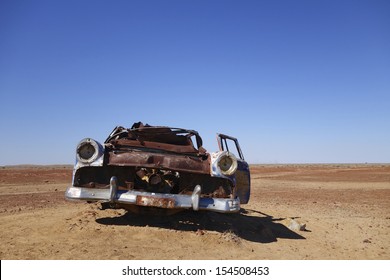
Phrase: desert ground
(343, 212)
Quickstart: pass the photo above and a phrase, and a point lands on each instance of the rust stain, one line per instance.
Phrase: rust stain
(155, 201)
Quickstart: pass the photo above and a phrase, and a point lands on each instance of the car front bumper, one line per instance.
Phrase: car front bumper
(148, 199)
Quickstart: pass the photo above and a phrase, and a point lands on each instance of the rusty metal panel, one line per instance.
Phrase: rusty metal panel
(124, 143)
(163, 161)
(155, 201)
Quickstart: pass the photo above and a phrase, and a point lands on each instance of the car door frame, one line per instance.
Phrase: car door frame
(242, 175)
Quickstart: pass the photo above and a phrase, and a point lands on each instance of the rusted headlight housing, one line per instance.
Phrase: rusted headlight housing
(88, 150)
(227, 163)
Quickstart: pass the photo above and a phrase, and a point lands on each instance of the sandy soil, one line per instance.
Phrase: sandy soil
(345, 208)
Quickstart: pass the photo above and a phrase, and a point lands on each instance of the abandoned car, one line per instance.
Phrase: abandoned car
(160, 167)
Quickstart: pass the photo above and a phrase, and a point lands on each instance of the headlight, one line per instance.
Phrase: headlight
(228, 164)
(224, 163)
(88, 150)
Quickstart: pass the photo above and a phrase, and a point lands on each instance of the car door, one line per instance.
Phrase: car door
(242, 175)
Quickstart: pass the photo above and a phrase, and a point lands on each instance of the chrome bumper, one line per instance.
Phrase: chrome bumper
(161, 200)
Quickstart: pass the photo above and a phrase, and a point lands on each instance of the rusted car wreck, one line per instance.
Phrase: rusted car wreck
(160, 167)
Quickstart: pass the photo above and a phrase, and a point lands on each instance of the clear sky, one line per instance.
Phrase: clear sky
(294, 81)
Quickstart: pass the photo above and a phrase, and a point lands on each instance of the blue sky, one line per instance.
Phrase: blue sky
(294, 81)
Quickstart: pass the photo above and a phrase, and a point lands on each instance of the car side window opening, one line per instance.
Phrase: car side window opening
(230, 145)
